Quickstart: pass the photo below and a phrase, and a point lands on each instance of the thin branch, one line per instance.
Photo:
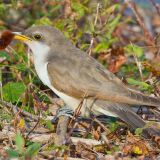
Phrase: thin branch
(16, 109)
(149, 38)
(95, 23)
(155, 6)
(45, 138)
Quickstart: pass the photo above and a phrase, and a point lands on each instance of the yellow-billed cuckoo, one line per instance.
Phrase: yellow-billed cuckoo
(72, 74)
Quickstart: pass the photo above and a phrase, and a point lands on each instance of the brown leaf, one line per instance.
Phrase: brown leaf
(38, 104)
(67, 8)
(85, 151)
(116, 60)
(96, 133)
(6, 38)
(154, 68)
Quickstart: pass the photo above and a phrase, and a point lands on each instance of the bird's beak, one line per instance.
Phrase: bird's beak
(19, 36)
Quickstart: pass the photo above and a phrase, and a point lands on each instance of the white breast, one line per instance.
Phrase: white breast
(39, 52)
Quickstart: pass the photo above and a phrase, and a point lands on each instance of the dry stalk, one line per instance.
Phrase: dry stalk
(95, 23)
(156, 6)
(149, 38)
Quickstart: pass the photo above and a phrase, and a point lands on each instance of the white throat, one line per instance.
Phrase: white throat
(40, 52)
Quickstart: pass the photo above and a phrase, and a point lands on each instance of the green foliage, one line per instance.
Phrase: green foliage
(113, 126)
(112, 24)
(139, 131)
(5, 54)
(12, 153)
(49, 125)
(142, 85)
(2, 9)
(134, 50)
(114, 149)
(103, 45)
(22, 152)
(112, 8)
(5, 116)
(19, 143)
(54, 147)
(12, 91)
(32, 150)
(79, 8)
(43, 21)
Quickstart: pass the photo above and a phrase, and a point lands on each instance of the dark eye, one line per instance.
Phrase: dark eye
(37, 36)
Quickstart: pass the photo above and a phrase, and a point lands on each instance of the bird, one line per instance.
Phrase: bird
(74, 75)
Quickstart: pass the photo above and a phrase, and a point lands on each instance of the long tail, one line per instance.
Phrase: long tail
(125, 113)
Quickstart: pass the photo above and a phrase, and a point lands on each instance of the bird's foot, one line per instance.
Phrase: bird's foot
(63, 111)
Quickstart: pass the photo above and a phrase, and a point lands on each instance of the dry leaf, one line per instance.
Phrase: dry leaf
(5, 39)
(116, 60)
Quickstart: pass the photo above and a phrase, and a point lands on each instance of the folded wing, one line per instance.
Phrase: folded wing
(80, 75)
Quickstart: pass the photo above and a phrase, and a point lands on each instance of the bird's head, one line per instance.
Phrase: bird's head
(41, 38)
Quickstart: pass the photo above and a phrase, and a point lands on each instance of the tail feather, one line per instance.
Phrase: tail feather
(144, 100)
(125, 113)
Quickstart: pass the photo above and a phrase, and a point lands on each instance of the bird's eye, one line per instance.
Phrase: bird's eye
(37, 36)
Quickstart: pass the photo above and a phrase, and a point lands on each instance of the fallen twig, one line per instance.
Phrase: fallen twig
(16, 110)
(44, 138)
(61, 130)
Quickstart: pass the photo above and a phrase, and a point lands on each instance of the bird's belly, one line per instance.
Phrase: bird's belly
(73, 103)
(88, 106)
(70, 101)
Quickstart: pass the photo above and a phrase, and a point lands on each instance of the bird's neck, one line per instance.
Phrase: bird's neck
(40, 53)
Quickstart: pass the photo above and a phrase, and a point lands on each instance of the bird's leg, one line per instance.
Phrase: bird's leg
(63, 111)
(63, 116)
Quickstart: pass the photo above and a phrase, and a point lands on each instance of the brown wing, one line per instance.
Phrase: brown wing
(79, 74)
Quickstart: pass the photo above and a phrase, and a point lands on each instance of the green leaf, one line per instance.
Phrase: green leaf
(3, 8)
(32, 150)
(142, 85)
(103, 45)
(112, 8)
(112, 25)
(115, 22)
(134, 50)
(79, 8)
(19, 143)
(138, 131)
(49, 125)
(5, 54)
(12, 153)
(113, 126)
(43, 21)
(21, 67)
(12, 91)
